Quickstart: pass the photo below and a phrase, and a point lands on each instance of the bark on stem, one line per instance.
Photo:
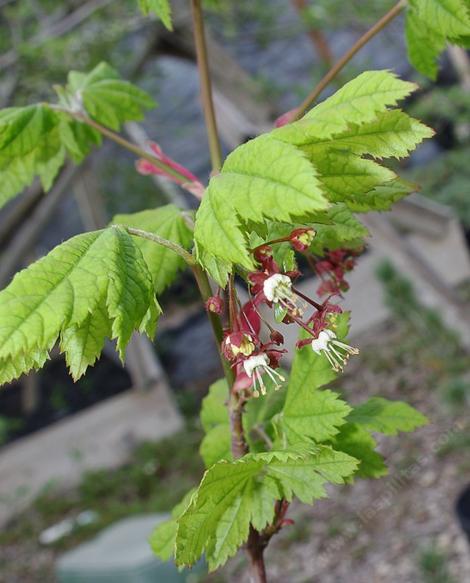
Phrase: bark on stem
(255, 550)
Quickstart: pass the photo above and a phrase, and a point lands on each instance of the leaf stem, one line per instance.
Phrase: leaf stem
(344, 60)
(164, 243)
(129, 146)
(206, 88)
(236, 404)
(313, 303)
(258, 429)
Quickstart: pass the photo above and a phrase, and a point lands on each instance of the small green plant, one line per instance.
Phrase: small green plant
(290, 193)
(7, 425)
(433, 566)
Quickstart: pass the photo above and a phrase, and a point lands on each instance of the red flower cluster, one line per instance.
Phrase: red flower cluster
(332, 269)
(251, 358)
(269, 285)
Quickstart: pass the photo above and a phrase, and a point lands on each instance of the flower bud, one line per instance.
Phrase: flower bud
(215, 305)
(302, 238)
(285, 118)
(238, 344)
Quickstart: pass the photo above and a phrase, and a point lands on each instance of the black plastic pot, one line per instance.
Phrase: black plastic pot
(462, 508)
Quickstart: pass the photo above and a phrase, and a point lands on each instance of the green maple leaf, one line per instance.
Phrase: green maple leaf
(106, 97)
(357, 102)
(30, 146)
(391, 133)
(314, 414)
(234, 494)
(430, 25)
(448, 17)
(167, 222)
(308, 412)
(163, 538)
(35, 140)
(262, 179)
(358, 443)
(348, 178)
(343, 231)
(216, 444)
(214, 406)
(424, 45)
(387, 417)
(93, 285)
(161, 8)
(382, 196)
(298, 170)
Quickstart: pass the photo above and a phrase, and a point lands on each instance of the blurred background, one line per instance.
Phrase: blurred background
(76, 458)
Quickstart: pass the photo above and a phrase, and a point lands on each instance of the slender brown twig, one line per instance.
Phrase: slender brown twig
(316, 35)
(206, 86)
(344, 60)
(130, 146)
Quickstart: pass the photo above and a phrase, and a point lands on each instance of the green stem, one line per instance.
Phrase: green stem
(206, 88)
(164, 243)
(344, 60)
(215, 321)
(81, 117)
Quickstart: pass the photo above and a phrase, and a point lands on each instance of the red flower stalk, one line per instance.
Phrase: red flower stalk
(332, 269)
(251, 359)
(191, 183)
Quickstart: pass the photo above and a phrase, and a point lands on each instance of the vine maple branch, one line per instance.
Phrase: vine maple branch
(344, 60)
(206, 86)
(255, 545)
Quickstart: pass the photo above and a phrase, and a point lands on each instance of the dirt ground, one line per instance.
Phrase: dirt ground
(398, 528)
